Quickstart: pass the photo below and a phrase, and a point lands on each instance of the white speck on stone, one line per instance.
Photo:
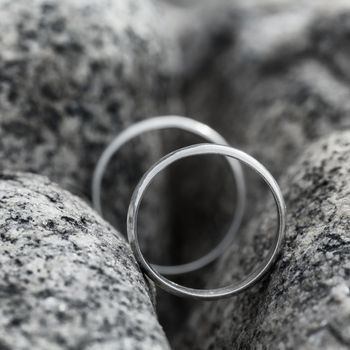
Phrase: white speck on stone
(340, 292)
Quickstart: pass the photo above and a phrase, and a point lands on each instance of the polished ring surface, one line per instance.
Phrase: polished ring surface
(222, 292)
(197, 128)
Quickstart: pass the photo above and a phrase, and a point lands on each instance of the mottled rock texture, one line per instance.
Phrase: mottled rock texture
(305, 301)
(67, 278)
(272, 77)
(72, 75)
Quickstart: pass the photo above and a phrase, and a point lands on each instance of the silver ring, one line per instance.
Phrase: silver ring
(196, 128)
(203, 294)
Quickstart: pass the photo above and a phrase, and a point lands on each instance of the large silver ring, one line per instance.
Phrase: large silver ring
(197, 128)
(222, 292)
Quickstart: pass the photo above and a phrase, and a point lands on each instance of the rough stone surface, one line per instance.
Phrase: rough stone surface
(67, 278)
(72, 75)
(271, 76)
(252, 80)
(305, 301)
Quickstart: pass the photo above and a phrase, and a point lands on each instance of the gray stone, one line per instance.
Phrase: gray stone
(67, 278)
(271, 77)
(67, 86)
(305, 302)
(264, 81)
(73, 74)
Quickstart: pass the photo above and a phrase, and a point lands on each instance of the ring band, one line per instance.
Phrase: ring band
(199, 129)
(222, 292)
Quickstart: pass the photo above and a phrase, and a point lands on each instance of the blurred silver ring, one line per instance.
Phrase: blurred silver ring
(197, 128)
(222, 292)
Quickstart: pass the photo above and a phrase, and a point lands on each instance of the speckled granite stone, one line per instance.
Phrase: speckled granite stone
(305, 302)
(72, 75)
(271, 76)
(67, 278)
(265, 82)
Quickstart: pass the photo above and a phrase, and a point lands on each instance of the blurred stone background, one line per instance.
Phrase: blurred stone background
(271, 76)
